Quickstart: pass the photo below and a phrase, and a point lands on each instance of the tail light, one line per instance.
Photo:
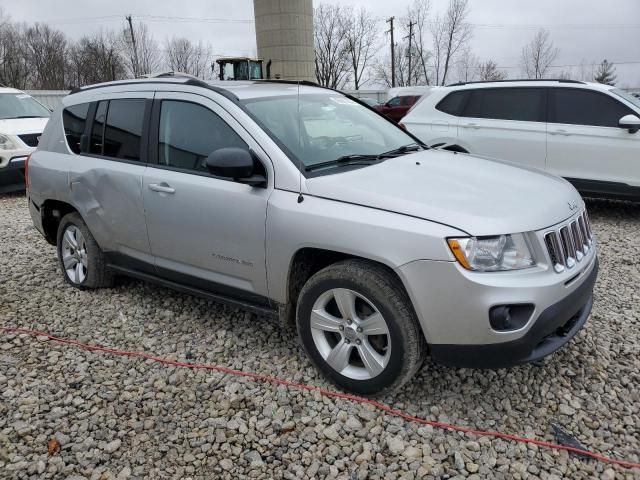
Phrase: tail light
(26, 172)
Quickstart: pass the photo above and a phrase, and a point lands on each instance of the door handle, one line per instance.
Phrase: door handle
(472, 125)
(161, 187)
(560, 131)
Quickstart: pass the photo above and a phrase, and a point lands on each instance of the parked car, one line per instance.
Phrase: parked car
(298, 202)
(584, 132)
(22, 120)
(397, 107)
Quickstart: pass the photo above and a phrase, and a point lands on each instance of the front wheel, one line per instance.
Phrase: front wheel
(357, 325)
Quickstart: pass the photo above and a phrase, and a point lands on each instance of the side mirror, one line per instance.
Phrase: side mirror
(630, 122)
(237, 164)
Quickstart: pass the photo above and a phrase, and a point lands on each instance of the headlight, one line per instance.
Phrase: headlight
(492, 254)
(6, 143)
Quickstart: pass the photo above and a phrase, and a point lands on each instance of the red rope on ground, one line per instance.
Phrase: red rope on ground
(327, 393)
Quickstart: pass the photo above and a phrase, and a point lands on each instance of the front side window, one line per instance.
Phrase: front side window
(394, 102)
(576, 106)
(74, 119)
(521, 104)
(189, 133)
(21, 105)
(317, 128)
(123, 129)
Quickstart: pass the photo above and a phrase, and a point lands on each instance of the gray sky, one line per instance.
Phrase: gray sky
(583, 29)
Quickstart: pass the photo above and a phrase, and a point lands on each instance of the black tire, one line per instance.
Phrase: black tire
(386, 293)
(97, 274)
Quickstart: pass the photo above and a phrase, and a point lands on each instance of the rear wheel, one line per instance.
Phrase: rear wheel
(357, 325)
(81, 259)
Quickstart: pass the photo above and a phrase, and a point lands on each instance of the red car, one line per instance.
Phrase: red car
(397, 107)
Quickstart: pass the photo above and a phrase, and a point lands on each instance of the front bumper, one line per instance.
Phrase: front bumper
(453, 305)
(12, 169)
(552, 330)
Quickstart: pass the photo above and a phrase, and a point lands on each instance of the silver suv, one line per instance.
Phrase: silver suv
(300, 202)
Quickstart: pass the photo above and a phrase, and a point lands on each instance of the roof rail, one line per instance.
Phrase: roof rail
(191, 81)
(167, 74)
(560, 80)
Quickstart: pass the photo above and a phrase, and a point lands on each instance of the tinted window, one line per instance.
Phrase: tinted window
(524, 104)
(189, 133)
(123, 129)
(584, 107)
(452, 103)
(74, 119)
(97, 129)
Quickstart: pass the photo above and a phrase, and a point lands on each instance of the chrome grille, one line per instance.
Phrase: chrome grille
(569, 243)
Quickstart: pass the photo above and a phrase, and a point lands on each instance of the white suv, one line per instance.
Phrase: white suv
(585, 132)
(22, 120)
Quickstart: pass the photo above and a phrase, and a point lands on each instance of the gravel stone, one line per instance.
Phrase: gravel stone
(127, 417)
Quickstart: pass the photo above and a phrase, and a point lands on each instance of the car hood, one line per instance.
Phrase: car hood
(20, 126)
(476, 195)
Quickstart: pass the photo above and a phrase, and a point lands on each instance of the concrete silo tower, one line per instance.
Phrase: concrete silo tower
(284, 36)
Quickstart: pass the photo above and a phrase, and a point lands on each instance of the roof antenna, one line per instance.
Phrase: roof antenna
(300, 164)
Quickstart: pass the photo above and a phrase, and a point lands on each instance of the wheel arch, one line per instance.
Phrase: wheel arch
(52, 212)
(306, 262)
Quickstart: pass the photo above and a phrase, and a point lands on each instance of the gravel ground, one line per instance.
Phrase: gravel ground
(117, 417)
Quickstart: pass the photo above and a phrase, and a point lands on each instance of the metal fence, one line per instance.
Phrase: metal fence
(49, 98)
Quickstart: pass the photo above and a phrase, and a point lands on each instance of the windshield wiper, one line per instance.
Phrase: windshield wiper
(412, 147)
(29, 116)
(353, 159)
(365, 159)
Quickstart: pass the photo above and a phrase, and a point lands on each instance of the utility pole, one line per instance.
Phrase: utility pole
(135, 49)
(393, 53)
(411, 24)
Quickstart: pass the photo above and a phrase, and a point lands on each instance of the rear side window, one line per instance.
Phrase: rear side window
(584, 107)
(394, 102)
(189, 133)
(452, 103)
(123, 129)
(522, 104)
(74, 119)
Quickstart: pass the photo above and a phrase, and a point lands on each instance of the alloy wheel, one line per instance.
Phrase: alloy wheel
(74, 254)
(350, 334)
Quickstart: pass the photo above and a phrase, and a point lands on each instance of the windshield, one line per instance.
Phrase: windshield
(332, 126)
(627, 96)
(20, 105)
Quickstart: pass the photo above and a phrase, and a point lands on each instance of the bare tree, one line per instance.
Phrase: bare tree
(187, 57)
(468, 66)
(361, 43)
(14, 70)
(382, 69)
(46, 50)
(450, 34)
(148, 52)
(538, 55)
(330, 41)
(488, 71)
(94, 59)
(418, 13)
